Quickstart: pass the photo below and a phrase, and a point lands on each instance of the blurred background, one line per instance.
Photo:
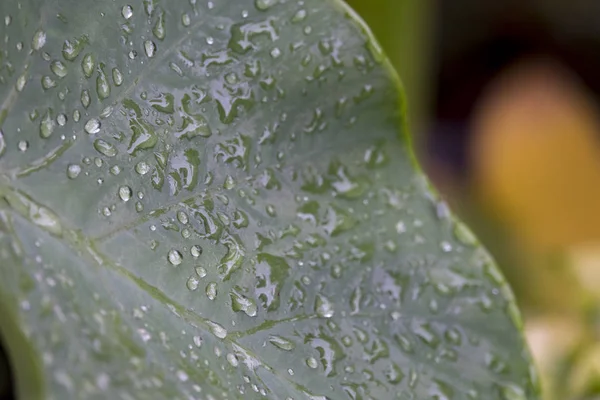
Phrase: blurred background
(504, 100)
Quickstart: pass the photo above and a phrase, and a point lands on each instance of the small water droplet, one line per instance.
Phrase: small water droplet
(323, 307)
(201, 272)
(132, 54)
(39, 40)
(185, 19)
(73, 171)
(282, 343)
(175, 257)
(197, 341)
(23, 145)
(149, 48)
(127, 11)
(47, 125)
(92, 126)
(102, 85)
(85, 98)
(211, 291)
(105, 148)
(142, 168)
(59, 68)
(21, 81)
(312, 362)
(196, 251)
(217, 329)
(48, 82)
(192, 283)
(87, 65)
(117, 77)
(125, 193)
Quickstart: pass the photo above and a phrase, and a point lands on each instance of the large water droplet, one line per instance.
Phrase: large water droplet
(47, 125)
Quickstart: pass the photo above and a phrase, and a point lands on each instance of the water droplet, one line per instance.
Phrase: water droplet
(201, 272)
(217, 330)
(282, 343)
(115, 170)
(102, 85)
(182, 217)
(117, 77)
(323, 307)
(240, 302)
(92, 126)
(232, 359)
(23, 145)
(159, 28)
(192, 283)
(21, 81)
(185, 19)
(175, 257)
(264, 5)
(48, 82)
(59, 68)
(197, 341)
(87, 65)
(39, 40)
(211, 291)
(125, 193)
(196, 251)
(149, 48)
(142, 168)
(464, 234)
(299, 16)
(73, 171)
(103, 147)
(132, 54)
(72, 48)
(61, 119)
(127, 11)
(47, 125)
(312, 362)
(85, 98)
(182, 376)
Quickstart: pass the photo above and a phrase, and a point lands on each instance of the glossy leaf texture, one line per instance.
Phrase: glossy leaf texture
(217, 200)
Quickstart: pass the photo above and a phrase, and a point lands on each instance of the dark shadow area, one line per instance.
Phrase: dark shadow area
(7, 390)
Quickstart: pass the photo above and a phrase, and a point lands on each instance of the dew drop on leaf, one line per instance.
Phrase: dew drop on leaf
(175, 257)
(125, 193)
(39, 40)
(149, 48)
(196, 251)
(192, 283)
(73, 171)
(282, 343)
(127, 11)
(92, 126)
(211, 291)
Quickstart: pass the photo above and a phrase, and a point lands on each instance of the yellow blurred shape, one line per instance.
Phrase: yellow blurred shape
(551, 340)
(536, 154)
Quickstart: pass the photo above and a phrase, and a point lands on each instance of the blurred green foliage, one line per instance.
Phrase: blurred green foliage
(405, 30)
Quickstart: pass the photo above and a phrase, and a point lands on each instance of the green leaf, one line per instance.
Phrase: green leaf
(218, 200)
